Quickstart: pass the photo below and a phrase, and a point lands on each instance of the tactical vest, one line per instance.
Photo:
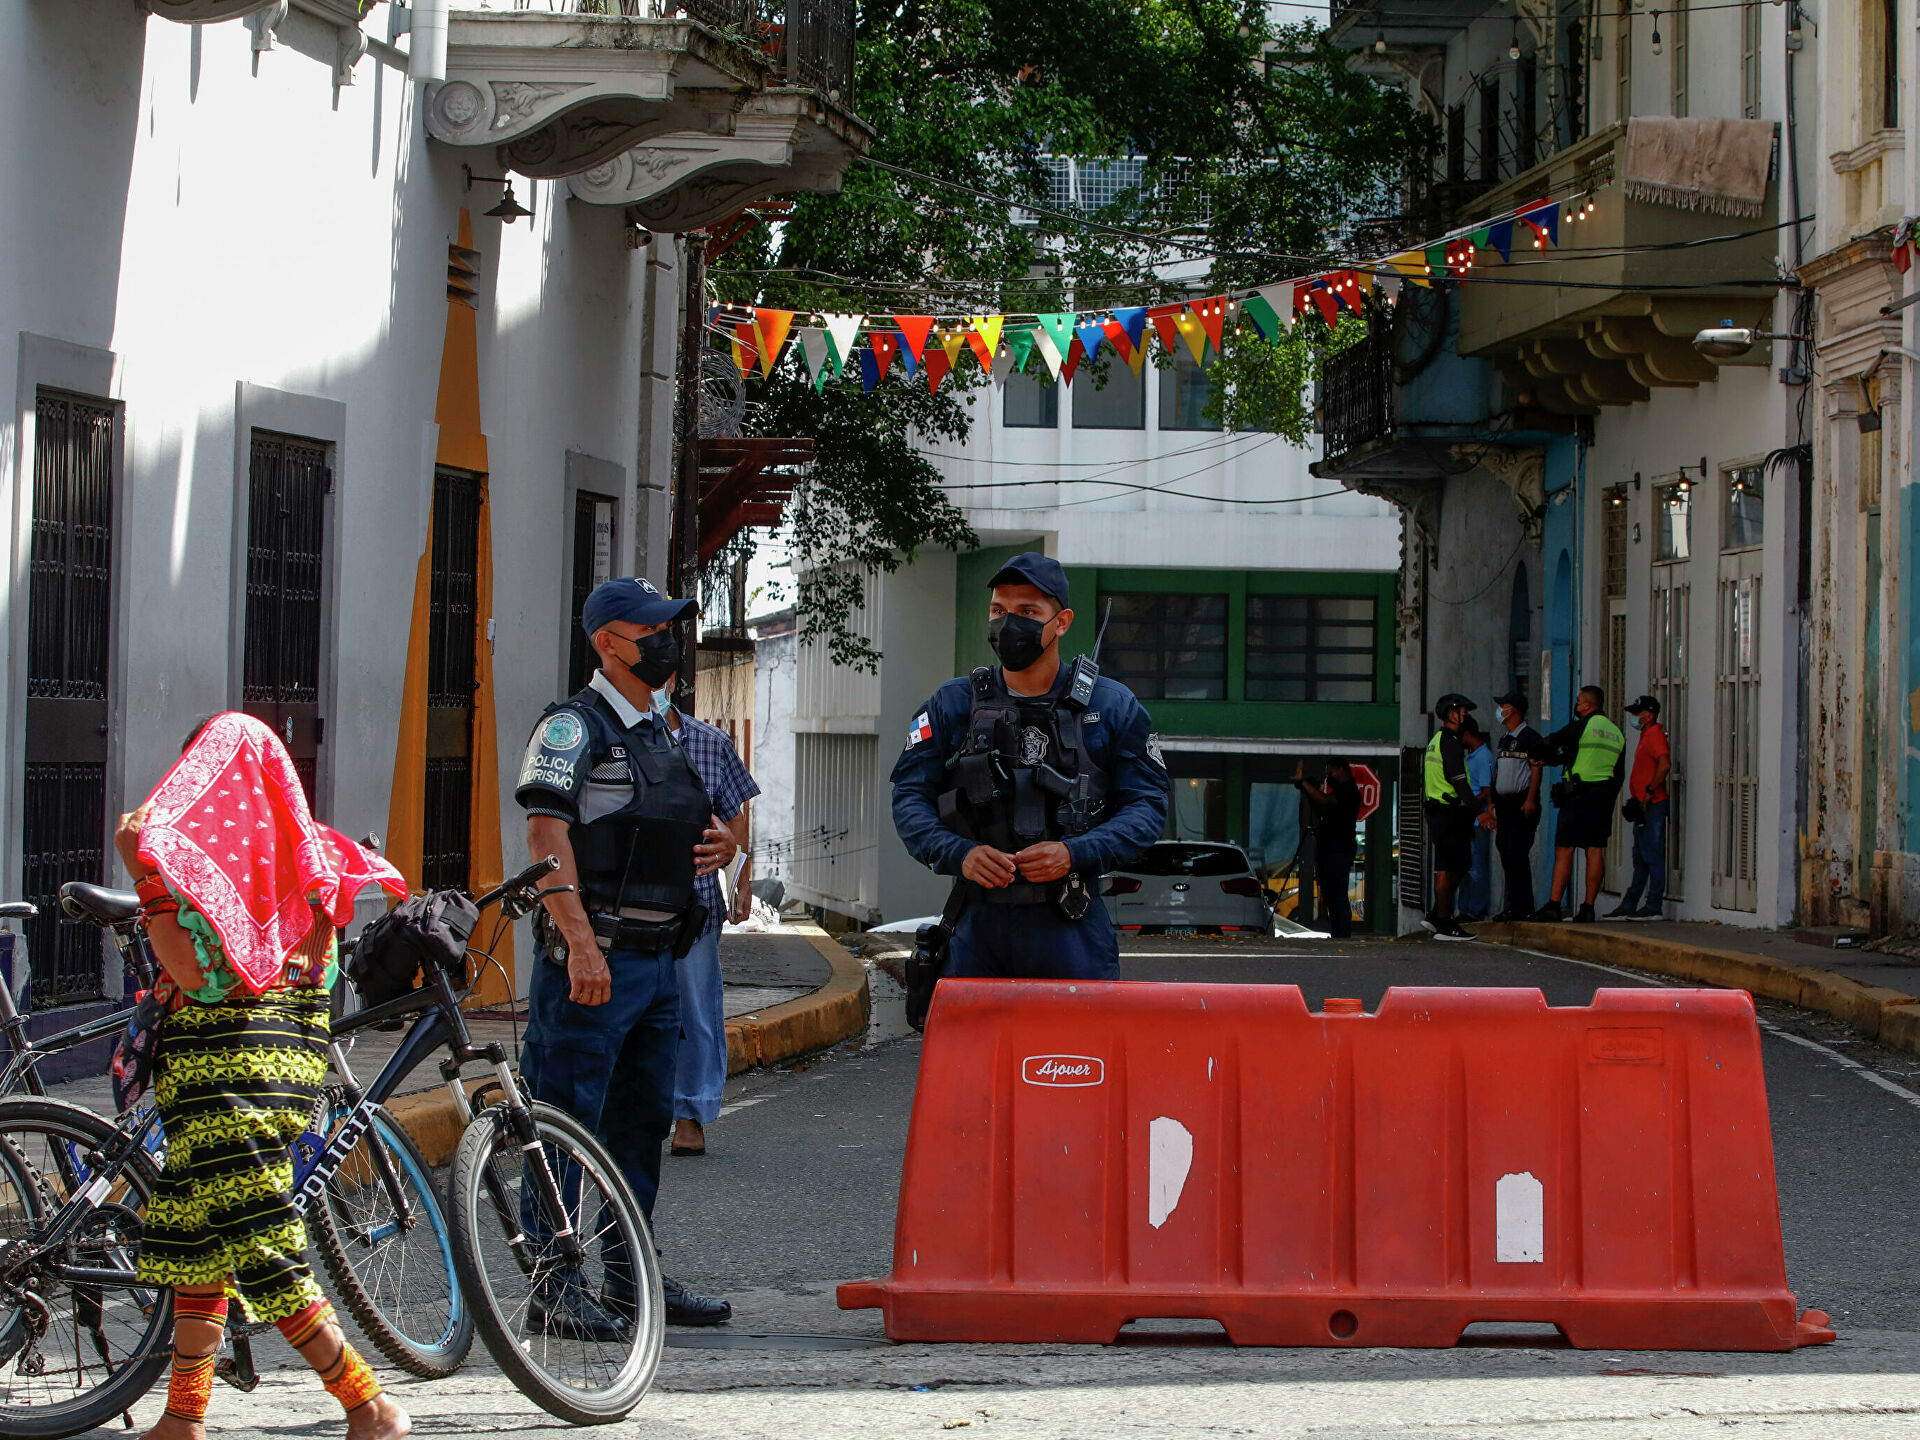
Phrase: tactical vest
(1003, 791)
(1438, 787)
(641, 856)
(1601, 744)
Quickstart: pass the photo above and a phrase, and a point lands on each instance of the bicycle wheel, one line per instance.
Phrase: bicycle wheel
(509, 1260)
(394, 1274)
(72, 1354)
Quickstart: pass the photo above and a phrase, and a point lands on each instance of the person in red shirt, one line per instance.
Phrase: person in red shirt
(1646, 806)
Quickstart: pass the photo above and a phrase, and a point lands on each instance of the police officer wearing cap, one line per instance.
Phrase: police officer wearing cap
(608, 790)
(1450, 810)
(1028, 780)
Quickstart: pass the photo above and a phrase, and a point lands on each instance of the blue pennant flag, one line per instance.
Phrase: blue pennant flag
(906, 357)
(869, 370)
(1134, 321)
(1090, 335)
(1502, 237)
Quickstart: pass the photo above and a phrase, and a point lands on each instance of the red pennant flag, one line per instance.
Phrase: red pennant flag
(746, 347)
(885, 347)
(1213, 317)
(773, 326)
(915, 329)
(1300, 288)
(978, 344)
(1323, 298)
(1163, 326)
(1117, 337)
(935, 363)
(1076, 352)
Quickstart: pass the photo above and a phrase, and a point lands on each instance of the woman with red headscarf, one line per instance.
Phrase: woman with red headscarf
(242, 893)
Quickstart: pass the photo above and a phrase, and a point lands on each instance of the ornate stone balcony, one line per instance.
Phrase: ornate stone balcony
(207, 12)
(780, 141)
(563, 89)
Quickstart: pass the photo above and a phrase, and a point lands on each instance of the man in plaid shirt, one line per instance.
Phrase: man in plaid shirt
(702, 1067)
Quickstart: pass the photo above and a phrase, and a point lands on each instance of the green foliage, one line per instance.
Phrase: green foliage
(1261, 149)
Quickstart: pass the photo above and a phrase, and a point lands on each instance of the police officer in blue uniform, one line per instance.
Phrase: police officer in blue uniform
(608, 790)
(1029, 780)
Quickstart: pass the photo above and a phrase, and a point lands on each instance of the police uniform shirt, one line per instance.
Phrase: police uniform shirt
(559, 748)
(1118, 734)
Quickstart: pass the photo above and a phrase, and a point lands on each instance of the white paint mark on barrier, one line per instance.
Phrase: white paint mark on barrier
(1519, 1220)
(1169, 1158)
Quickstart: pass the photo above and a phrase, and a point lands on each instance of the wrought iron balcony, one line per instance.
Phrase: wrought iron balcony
(1356, 391)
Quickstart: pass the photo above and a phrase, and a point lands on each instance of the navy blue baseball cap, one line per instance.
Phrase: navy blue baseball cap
(1046, 576)
(633, 600)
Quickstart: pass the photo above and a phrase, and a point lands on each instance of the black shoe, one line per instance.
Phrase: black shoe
(686, 1308)
(564, 1308)
(1583, 916)
(1448, 930)
(1429, 924)
(1622, 911)
(1549, 914)
(1513, 917)
(1655, 912)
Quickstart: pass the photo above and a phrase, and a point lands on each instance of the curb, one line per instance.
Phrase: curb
(823, 1018)
(1890, 1016)
(837, 1011)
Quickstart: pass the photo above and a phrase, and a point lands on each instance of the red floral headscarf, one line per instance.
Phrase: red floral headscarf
(230, 830)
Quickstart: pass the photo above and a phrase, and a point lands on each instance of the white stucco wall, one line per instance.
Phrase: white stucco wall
(239, 249)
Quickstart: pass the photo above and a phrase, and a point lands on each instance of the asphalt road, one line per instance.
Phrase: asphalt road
(797, 1194)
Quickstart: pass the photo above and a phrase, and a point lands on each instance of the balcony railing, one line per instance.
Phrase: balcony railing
(1357, 392)
(819, 47)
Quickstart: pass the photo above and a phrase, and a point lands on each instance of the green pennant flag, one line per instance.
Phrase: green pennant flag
(1265, 317)
(1482, 238)
(1020, 346)
(1059, 329)
(1437, 259)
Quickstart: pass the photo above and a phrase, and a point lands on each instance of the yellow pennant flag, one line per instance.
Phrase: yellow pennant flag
(985, 338)
(1194, 333)
(1413, 265)
(953, 341)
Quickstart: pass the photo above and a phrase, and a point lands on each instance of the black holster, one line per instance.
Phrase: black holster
(932, 951)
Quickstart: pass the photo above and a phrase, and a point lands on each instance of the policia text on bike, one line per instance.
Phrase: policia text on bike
(1027, 781)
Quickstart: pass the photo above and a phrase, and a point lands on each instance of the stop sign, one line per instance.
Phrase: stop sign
(1369, 784)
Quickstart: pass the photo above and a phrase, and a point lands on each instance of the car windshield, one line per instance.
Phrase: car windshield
(1170, 857)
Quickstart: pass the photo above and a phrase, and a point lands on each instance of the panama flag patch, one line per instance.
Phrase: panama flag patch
(921, 729)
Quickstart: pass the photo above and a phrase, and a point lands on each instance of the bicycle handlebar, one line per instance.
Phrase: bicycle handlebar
(519, 882)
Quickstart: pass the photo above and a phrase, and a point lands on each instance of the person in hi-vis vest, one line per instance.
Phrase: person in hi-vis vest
(1590, 750)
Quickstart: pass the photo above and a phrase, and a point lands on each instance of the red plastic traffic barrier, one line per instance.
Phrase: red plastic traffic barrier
(1085, 1155)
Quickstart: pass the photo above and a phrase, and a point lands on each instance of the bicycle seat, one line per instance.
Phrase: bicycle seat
(98, 905)
(18, 910)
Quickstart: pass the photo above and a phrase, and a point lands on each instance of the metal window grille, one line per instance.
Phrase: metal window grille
(1526, 108)
(1667, 677)
(1736, 777)
(1623, 60)
(456, 567)
(1168, 647)
(1357, 392)
(288, 482)
(1410, 871)
(580, 660)
(70, 593)
(1750, 61)
(1682, 38)
(1311, 648)
(1613, 512)
(449, 823)
(820, 46)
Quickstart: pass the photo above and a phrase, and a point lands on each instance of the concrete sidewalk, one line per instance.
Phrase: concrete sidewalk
(1877, 994)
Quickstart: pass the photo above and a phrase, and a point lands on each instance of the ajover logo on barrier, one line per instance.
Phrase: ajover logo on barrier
(1065, 1070)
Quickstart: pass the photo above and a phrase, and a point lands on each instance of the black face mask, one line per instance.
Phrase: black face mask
(659, 657)
(1018, 640)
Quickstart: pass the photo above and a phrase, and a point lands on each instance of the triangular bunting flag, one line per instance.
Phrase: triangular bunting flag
(1213, 317)
(869, 370)
(1089, 334)
(1413, 265)
(1058, 329)
(886, 344)
(1134, 321)
(1323, 299)
(1500, 237)
(1194, 333)
(953, 342)
(746, 348)
(1265, 318)
(841, 330)
(1116, 334)
(772, 327)
(1164, 323)
(986, 338)
(813, 348)
(1137, 359)
(1543, 217)
(938, 363)
(1020, 346)
(1437, 260)
(1074, 356)
(907, 357)
(1299, 297)
(914, 330)
(1049, 352)
(1389, 286)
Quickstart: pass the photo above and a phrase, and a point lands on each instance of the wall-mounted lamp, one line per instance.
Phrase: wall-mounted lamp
(1513, 45)
(1730, 342)
(1636, 533)
(1636, 480)
(509, 209)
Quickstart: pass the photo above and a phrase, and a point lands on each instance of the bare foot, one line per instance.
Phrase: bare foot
(381, 1418)
(172, 1427)
(689, 1138)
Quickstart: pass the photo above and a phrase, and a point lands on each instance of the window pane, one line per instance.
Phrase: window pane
(1118, 404)
(1031, 402)
(1329, 657)
(1746, 496)
(1346, 692)
(1336, 607)
(1167, 647)
(1184, 391)
(1673, 522)
(1342, 664)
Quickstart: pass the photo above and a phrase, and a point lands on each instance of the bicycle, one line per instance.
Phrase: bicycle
(520, 1191)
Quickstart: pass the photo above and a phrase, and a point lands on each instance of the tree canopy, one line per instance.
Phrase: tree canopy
(1245, 152)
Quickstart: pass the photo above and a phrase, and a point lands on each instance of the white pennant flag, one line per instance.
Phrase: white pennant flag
(1049, 352)
(841, 330)
(813, 344)
(1389, 288)
(1280, 297)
